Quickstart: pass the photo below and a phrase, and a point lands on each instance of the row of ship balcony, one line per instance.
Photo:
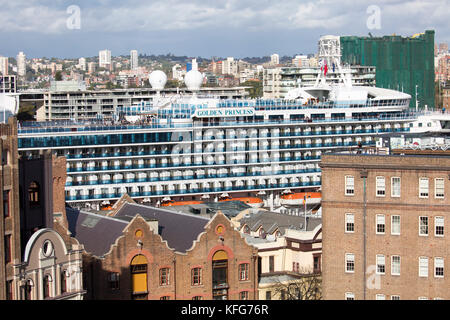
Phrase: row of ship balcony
(176, 175)
(194, 188)
(89, 126)
(216, 152)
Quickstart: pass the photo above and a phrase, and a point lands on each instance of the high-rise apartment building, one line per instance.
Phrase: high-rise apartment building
(82, 64)
(385, 227)
(4, 66)
(104, 59)
(275, 59)
(21, 64)
(134, 59)
(403, 63)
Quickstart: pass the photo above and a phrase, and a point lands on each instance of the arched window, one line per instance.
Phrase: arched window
(46, 286)
(26, 290)
(139, 266)
(34, 194)
(220, 275)
(63, 281)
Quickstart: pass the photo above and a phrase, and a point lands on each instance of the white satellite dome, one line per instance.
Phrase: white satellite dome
(193, 80)
(157, 79)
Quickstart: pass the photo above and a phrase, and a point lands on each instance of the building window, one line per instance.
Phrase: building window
(349, 296)
(395, 187)
(380, 297)
(423, 187)
(349, 222)
(268, 295)
(316, 264)
(381, 264)
(380, 186)
(197, 298)
(33, 194)
(164, 276)
(63, 281)
(395, 265)
(439, 188)
(26, 290)
(113, 279)
(196, 276)
(439, 267)
(139, 267)
(243, 295)
(271, 263)
(9, 290)
(165, 298)
(349, 185)
(6, 210)
(243, 271)
(46, 286)
(349, 262)
(395, 297)
(7, 248)
(395, 225)
(423, 267)
(439, 226)
(381, 224)
(423, 226)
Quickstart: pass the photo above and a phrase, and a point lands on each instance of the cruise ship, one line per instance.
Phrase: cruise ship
(189, 147)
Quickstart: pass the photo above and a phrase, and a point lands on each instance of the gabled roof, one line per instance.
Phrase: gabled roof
(178, 229)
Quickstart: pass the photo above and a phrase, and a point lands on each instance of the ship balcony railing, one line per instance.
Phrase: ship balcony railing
(69, 126)
(192, 191)
(184, 178)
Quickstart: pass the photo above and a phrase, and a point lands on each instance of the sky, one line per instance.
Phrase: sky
(206, 28)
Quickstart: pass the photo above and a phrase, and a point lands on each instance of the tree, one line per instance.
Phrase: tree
(58, 76)
(256, 88)
(307, 286)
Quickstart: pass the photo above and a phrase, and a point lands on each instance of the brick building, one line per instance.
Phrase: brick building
(147, 253)
(10, 252)
(387, 216)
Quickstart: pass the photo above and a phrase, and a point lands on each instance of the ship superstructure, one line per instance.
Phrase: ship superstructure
(193, 147)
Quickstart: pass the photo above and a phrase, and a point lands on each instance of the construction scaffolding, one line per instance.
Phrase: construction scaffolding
(402, 63)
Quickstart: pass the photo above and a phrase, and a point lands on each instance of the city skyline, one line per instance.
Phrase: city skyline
(205, 29)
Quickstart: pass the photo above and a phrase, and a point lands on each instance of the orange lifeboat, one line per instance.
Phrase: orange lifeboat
(170, 203)
(297, 198)
(254, 202)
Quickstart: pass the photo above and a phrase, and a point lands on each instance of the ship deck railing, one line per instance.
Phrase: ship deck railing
(69, 126)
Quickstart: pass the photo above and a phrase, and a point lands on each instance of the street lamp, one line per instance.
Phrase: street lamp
(304, 202)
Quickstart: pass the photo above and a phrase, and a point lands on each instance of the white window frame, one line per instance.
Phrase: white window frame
(395, 195)
(439, 193)
(439, 222)
(380, 261)
(349, 219)
(422, 298)
(424, 188)
(349, 296)
(380, 219)
(420, 226)
(394, 224)
(380, 296)
(423, 267)
(439, 263)
(395, 297)
(380, 186)
(395, 265)
(347, 260)
(349, 186)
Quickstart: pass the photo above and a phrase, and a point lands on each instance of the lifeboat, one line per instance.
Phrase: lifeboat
(296, 198)
(170, 203)
(254, 202)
